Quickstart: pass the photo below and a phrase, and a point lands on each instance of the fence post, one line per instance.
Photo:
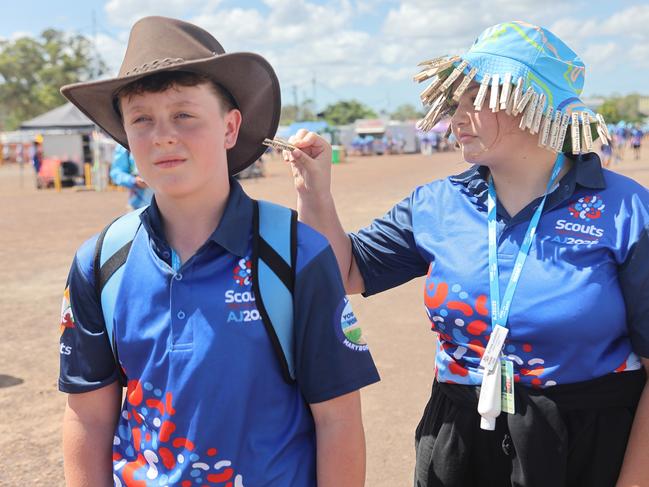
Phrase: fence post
(57, 178)
(87, 172)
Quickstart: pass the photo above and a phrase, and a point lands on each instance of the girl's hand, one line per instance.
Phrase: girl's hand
(311, 165)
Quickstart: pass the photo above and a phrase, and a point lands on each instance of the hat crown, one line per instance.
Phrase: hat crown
(524, 70)
(157, 42)
(542, 52)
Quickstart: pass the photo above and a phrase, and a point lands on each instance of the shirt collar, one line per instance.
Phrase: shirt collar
(233, 231)
(587, 172)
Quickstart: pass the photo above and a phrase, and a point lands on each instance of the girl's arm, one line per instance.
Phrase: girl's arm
(311, 166)
(635, 469)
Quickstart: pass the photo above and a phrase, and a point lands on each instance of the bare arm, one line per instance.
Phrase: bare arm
(88, 428)
(340, 441)
(635, 469)
(311, 166)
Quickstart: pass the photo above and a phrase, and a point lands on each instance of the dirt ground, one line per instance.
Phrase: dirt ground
(40, 230)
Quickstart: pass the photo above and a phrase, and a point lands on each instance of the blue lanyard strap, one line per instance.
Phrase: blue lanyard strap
(499, 315)
(176, 264)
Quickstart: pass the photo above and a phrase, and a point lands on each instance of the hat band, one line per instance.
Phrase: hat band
(507, 94)
(155, 64)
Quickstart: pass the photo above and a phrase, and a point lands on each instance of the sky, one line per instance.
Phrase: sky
(367, 50)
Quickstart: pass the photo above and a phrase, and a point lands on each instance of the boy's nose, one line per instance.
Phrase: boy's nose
(165, 134)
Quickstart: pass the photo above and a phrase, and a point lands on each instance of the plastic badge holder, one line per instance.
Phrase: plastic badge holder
(490, 396)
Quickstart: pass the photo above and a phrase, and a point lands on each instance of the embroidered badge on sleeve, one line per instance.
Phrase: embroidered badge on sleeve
(347, 327)
(67, 319)
(67, 322)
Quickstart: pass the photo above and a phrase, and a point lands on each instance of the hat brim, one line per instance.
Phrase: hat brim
(248, 77)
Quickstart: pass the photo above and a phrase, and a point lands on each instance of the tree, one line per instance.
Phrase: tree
(345, 112)
(305, 111)
(406, 112)
(32, 70)
(627, 108)
(609, 111)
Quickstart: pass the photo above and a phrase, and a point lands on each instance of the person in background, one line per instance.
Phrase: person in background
(619, 142)
(424, 143)
(123, 172)
(636, 141)
(36, 153)
(607, 154)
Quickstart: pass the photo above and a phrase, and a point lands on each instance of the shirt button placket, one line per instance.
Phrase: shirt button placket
(177, 315)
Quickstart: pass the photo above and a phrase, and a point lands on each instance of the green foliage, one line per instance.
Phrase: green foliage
(305, 111)
(625, 108)
(288, 115)
(609, 111)
(345, 112)
(406, 112)
(32, 70)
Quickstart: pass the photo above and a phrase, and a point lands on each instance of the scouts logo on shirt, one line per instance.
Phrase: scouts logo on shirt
(241, 302)
(587, 208)
(243, 271)
(347, 327)
(67, 320)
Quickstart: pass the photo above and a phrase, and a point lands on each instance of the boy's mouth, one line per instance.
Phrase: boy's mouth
(169, 162)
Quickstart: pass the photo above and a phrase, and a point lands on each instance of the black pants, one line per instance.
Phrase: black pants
(571, 435)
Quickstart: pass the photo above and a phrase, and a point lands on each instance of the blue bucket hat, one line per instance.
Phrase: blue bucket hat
(524, 70)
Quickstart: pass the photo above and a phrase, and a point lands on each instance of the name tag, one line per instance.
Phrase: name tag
(494, 347)
(507, 387)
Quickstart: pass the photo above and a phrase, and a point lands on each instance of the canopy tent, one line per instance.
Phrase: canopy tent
(318, 126)
(69, 135)
(370, 126)
(63, 118)
(442, 126)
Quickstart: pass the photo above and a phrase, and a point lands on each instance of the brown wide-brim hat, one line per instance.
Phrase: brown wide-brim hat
(159, 44)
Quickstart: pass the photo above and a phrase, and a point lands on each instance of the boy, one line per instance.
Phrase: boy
(206, 402)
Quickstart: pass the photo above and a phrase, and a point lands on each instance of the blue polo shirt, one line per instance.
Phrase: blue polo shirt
(206, 403)
(581, 308)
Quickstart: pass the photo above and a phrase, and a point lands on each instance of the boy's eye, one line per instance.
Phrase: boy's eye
(183, 115)
(140, 119)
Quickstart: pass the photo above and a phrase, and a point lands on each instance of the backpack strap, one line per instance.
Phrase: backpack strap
(111, 252)
(274, 255)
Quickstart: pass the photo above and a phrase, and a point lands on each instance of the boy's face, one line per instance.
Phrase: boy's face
(179, 139)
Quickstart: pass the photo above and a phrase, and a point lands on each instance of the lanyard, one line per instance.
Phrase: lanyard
(176, 264)
(499, 315)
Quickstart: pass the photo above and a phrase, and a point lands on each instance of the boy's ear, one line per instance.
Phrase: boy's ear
(232, 121)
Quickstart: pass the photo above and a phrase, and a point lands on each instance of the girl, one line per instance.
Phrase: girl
(537, 274)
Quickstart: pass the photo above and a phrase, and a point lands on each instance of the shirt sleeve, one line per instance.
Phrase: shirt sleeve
(386, 252)
(634, 282)
(332, 358)
(86, 358)
(120, 168)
